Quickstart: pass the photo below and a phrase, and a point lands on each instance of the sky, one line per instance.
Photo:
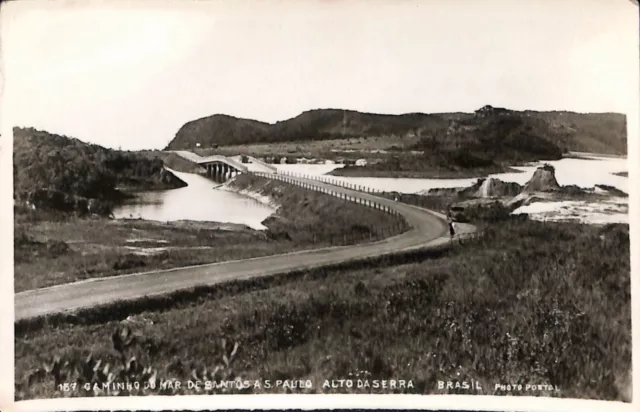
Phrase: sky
(130, 74)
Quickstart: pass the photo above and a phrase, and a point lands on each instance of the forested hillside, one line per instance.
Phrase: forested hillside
(486, 143)
(596, 132)
(498, 138)
(592, 132)
(65, 173)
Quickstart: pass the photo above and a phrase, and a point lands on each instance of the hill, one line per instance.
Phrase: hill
(318, 124)
(488, 142)
(63, 173)
(591, 132)
(218, 129)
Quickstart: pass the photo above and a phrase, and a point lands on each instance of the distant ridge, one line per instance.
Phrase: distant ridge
(571, 131)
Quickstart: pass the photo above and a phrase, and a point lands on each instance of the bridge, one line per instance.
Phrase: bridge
(220, 167)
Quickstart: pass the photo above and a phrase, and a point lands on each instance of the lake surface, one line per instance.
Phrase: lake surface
(197, 201)
(581, 172)
(200, 201)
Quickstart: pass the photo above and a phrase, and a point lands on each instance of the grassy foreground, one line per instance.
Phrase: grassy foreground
(528, 303)
(55, 249)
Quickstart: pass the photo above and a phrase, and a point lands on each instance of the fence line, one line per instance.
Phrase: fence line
(290, 178)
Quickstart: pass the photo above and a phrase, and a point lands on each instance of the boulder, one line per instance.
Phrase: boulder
(493, 187)
(471, 190)
(543, 180)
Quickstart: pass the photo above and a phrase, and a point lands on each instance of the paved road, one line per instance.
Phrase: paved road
(428, 229)
(256, 165)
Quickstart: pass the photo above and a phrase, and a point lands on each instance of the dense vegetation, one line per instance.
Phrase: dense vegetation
(310, 125)
(480, 145)
(524, 304)
(591, 132)
(600, 132)
(173, 161)
(57, 171)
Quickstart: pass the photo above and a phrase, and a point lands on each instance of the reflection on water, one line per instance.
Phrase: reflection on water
(581, 172)
(197, 201)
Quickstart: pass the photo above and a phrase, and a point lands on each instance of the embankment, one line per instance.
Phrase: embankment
(316, 218)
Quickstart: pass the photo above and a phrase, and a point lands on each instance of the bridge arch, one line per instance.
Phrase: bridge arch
(221, 167)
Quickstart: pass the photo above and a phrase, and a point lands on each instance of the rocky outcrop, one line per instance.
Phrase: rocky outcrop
(524, 199)
(543, 180)
(491, 198)
(610, 190)
(492, 187)
(442, 191)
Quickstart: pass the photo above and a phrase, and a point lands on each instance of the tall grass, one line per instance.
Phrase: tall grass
(528, 302)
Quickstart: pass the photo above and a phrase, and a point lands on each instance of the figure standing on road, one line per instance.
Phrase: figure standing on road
(452, 228)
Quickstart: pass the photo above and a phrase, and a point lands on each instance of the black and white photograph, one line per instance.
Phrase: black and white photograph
(240, 199)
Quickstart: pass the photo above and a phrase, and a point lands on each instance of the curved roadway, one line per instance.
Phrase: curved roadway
(429, 230)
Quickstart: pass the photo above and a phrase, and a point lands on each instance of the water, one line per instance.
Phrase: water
(614, 210)
(197, 201)
(584, 173)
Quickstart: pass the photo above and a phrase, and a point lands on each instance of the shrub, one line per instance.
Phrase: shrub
(128, 261)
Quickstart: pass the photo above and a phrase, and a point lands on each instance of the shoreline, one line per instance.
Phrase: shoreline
(263, 199)
(361, 171)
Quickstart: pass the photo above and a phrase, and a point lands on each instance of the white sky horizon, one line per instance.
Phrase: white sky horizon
(130, 74)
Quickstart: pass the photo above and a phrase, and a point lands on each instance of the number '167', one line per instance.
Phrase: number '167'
(67, 387)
